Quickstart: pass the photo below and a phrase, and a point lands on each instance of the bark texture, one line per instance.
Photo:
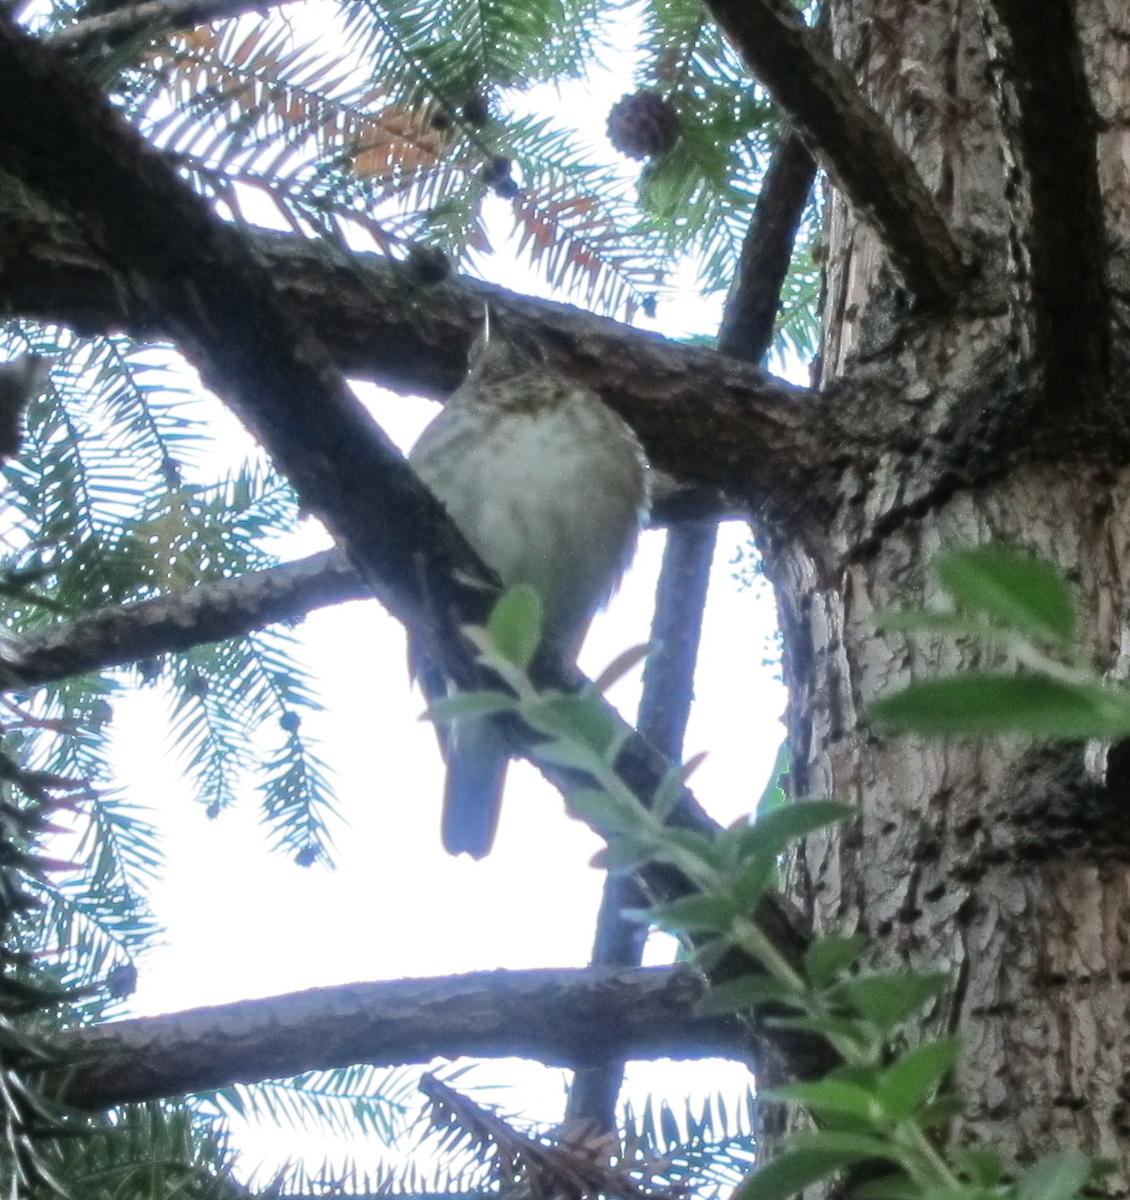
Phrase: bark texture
(568, 1018)
(1002, 862)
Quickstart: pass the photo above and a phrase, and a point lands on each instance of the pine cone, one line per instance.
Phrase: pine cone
(475, 110)
(643, 125)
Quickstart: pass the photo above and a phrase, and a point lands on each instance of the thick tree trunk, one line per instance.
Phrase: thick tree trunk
(1001, 862)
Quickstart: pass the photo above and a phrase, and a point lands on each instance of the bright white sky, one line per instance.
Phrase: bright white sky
(242, 922)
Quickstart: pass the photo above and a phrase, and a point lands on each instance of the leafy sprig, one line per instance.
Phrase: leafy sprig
(1022, 608)
(887, 1103)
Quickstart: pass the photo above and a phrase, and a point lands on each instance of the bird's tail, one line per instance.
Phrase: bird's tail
(476, 770)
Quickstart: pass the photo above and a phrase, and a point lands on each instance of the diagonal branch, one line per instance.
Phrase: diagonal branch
(751, 309)
(680, 595)
(211, 612)
(560, 1017)
(174, 258)
(151, 18)
(850, 140)
(1048, 102)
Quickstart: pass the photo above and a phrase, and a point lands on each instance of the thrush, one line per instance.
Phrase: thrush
(548, 485)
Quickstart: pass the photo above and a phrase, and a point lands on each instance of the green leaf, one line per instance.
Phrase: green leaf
(915, 1075)
(887, 1000)
(515, 624)
(980, 704)
(624, 854)
(938, 1111)
(897, 1186)
(981, 1165)
(671, 787)
(1057, 1177)
(560, 753)
(445, 709)
(752, 882)
(854, 1147)
(773, 833)
(703, 846)
(1011, 588)
(774, 796)
(581, 719)
(713, 913)
(709, 953)
(490, 655)
(738, 995)
(826, 958)
(832, 1027)
(961, 1191)
(829, 1096)
(596, 807)
(789, 1173)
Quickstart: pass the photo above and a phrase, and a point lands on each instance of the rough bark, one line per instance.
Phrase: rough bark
(1002, 862)
(854, 145)
(568, 1018)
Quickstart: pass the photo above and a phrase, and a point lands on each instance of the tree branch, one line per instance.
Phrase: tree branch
(665, 705)
(174, 258)
(751, 309)
(700, 416)
(564, 1018)
(680, 595)
(127, 633)
(1055, 133)
(152, 18)
(850, 140)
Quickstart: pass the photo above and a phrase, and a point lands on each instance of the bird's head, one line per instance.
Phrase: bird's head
(500, 352)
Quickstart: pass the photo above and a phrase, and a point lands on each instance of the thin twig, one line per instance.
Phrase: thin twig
(680, 596)
(152, 18)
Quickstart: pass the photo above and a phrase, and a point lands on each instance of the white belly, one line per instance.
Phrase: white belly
(551, 498)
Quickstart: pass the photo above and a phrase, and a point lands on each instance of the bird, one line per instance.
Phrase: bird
(549, 486)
